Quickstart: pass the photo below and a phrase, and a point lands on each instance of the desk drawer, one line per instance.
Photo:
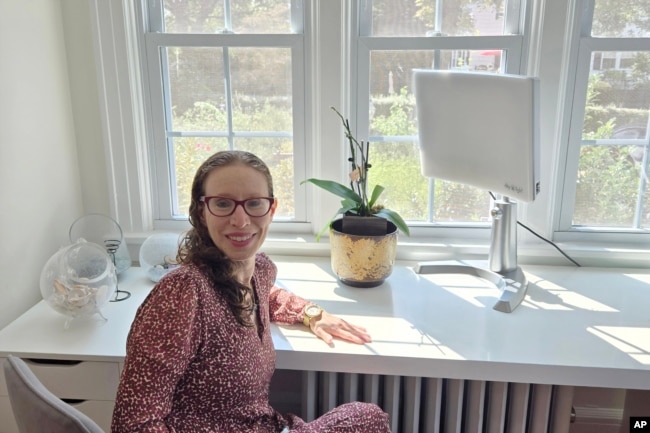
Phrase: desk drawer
(7, 422)
(81, 380)
(99, 411)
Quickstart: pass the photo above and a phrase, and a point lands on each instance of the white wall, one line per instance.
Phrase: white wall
(40, 185)
(82, 72)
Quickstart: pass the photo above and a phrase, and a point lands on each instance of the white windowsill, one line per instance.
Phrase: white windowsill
(530, 252)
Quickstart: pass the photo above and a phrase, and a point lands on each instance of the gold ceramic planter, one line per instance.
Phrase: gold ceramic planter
(362, 261)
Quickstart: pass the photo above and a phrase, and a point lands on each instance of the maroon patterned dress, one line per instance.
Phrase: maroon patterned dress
(190, 367)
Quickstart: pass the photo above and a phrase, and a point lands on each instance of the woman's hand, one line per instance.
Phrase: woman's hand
(328, 326)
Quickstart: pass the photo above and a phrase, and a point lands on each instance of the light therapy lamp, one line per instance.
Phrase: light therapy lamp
(482, 130)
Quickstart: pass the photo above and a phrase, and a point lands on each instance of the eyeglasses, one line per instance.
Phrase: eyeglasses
(223, 206)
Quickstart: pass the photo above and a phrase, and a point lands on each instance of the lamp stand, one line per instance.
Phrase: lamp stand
(502, 270)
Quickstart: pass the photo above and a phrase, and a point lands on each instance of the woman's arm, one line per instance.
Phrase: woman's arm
(163, 337)
(286, 307)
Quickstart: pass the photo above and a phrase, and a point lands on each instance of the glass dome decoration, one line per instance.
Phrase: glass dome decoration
(158, 255)
(105, 232)
(78, 280)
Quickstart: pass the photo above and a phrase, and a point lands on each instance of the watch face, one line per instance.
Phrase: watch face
(313, 310)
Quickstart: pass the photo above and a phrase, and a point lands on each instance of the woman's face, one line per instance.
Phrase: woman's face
(239, 235)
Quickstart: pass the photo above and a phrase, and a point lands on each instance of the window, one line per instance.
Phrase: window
(224, 79)
(178, 83)
(225, 75)
(393, 38)
(606, 187)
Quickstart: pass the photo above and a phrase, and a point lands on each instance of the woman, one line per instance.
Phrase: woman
(199, 354)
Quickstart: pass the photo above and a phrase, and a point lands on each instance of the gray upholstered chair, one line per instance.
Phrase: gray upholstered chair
(36, 409)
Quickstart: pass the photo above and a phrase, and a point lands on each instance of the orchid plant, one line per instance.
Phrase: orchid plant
(356, 200)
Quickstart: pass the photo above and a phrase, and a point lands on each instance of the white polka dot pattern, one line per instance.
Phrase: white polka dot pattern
(190, 367)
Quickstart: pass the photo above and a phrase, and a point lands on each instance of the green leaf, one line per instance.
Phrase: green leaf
(323, 230)
(352, 203)
(348, 205)
(394, 217)
(376, 192)
(335, 188)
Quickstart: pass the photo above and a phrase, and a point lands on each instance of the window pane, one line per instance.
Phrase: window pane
(621, 18)
(607, 187)
(396, 166)
(392, 70)
(278, 155)
(612, 185)
(188, 154)
(196, 89)
(419, 18)
(219, 16)
(618, 98)
(261, 89)
(259, 80)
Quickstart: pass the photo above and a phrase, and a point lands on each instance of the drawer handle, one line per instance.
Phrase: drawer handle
(53, 361)
(72, 401)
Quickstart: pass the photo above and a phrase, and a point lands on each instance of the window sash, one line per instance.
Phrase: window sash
(514, 42)
(586, 46)
(162, 137)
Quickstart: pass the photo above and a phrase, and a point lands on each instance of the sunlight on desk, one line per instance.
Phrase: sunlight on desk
(298, 270)
(559, 298)
(392, 337)
(318, 291)
(643, 278)
(631, 340)
(475, 290)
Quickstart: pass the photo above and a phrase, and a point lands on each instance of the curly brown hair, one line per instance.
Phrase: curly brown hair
(198, 248)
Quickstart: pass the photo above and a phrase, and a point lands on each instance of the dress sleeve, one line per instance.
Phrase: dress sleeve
(285, 307)
(163, 337)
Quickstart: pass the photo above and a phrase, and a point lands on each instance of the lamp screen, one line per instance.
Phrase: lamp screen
(480, 129)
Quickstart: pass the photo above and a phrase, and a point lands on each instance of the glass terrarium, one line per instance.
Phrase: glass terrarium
(78, 280)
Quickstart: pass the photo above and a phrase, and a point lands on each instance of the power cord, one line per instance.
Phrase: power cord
(550, 243)
(544, 239)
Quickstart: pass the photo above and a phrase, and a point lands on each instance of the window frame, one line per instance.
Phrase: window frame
(155, 42)
(584, 45)
(130, 165)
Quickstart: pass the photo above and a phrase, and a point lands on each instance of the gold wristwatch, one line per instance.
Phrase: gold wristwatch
(311, 311)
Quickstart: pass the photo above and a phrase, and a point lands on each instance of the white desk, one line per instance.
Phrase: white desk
(576, 327)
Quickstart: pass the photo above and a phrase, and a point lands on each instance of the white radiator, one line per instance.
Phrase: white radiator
(426, 405)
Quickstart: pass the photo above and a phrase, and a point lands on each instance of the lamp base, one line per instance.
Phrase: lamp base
(512, 285)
